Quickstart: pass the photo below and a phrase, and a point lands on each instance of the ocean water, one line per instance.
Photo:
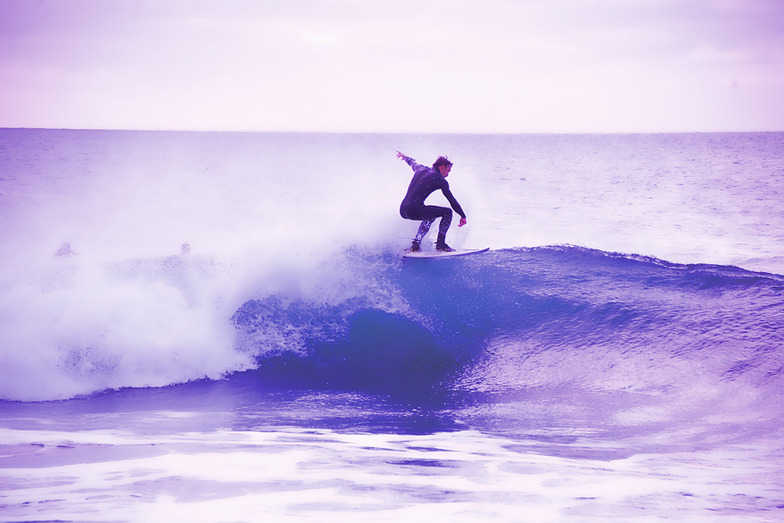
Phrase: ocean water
(219, 327)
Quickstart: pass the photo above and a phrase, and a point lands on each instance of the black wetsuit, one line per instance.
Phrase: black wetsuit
(426, 181)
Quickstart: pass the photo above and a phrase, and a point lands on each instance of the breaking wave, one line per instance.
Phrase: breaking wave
(499, 323)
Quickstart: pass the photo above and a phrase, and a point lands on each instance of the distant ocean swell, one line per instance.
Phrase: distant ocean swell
(509, 320)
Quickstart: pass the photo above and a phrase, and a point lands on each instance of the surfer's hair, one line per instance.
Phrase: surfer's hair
(442, 160)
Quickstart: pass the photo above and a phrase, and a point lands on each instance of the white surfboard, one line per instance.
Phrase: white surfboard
(439, 254)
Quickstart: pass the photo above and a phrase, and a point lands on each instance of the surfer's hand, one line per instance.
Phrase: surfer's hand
(462, 222)
(400, 155)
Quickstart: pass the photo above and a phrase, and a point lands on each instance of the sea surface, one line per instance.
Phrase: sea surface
(220, 327)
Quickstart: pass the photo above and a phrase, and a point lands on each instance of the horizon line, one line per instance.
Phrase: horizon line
(367, 132)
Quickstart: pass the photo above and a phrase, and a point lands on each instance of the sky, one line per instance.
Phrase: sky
(486, 66)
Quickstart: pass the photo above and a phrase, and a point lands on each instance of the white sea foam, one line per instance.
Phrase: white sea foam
(95, 292)
(91, 327)
(294, 475)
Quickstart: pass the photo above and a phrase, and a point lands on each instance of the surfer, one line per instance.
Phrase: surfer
(427, 180)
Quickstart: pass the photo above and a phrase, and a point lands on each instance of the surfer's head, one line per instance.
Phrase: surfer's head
(443, 166)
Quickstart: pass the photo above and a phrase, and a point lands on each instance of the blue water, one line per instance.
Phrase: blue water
(617, 355)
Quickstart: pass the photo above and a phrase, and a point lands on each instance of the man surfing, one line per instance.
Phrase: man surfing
(427, 180)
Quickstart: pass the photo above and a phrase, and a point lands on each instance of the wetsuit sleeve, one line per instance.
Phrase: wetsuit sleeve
(452, 201)
(410, 161)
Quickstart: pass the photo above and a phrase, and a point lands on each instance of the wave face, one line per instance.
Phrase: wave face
(506, 322)
(519, 320)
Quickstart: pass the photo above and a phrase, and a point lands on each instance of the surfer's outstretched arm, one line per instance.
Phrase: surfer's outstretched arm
(410, 161)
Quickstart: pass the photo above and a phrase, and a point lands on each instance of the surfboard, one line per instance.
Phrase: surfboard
(439, 254)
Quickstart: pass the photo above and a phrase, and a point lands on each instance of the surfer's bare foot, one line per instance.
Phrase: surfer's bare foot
(444, 248)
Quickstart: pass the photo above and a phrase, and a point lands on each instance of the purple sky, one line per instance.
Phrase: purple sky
(401, 66)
